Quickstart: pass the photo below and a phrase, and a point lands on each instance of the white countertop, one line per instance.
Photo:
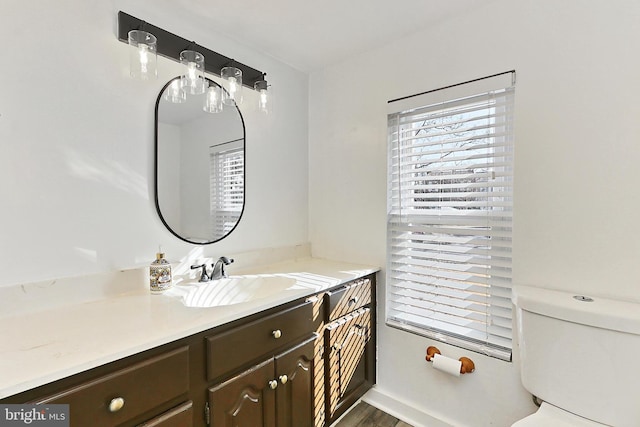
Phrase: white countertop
(50, 331)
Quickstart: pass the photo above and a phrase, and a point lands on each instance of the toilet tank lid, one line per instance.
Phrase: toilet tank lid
(623, 316)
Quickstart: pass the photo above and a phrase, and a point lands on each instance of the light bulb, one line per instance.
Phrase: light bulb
(233, 87)
(143, 50)
(191, 71)
(263, 101)
(265, 96)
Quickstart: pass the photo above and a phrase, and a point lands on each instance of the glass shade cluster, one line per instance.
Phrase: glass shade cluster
(143, 66)
(193, 82)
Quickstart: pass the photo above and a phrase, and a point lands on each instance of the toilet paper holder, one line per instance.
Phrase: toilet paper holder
(467, 366)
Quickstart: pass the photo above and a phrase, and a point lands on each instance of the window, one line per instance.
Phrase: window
(227, 186)
(449, 226)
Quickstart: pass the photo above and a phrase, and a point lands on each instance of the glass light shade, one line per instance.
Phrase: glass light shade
(233, 78)
(213, 99)
(193, 79)
(143, 56)
(175, 93)
(265, 96)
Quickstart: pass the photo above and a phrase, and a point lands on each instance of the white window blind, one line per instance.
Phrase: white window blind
(227, 187)
(450, 187)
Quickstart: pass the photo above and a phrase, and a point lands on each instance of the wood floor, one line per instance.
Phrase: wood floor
(365, 415)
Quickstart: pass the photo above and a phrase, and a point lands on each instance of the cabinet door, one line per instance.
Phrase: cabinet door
(246, 400)
(348, 369)
(295, 395)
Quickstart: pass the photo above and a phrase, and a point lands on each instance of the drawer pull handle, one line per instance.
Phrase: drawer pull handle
(116, 404)
(284, 379)
(277, 333)
(353, 301)
(273, 384)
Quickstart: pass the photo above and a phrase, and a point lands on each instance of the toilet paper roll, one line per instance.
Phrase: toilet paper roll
(447, 364)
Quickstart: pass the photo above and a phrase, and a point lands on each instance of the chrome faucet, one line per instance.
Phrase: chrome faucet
(218, 268)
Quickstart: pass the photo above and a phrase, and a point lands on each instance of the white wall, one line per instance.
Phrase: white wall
(577, 174)
(76, 168)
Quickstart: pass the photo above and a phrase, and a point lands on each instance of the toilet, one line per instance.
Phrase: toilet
(580, 355)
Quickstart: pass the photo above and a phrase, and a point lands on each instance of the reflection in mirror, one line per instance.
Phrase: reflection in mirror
(199, 167)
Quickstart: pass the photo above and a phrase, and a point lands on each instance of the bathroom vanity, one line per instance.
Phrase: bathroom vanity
(300, 358)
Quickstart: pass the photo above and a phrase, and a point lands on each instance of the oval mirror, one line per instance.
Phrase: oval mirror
(199, 166)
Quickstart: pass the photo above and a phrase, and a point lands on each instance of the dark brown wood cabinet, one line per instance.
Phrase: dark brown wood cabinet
(301, 364)
(349, 342)
(277, 392)
(128, 393)
(244, 400)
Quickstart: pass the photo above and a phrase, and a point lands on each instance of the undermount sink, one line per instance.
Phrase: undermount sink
(230, 290)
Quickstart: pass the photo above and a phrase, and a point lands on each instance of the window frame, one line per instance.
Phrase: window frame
(417, 310)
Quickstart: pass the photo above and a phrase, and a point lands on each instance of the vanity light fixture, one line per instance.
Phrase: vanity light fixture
(193, 80)
(143, 57)
(171, 46)
(265, 97)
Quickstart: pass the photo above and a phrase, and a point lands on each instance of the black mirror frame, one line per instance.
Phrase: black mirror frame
(155, 168)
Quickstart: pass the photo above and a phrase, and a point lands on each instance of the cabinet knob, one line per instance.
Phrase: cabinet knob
(353, 301)
(116, 404)
(284, 379)
(273, 384)
(277, 333)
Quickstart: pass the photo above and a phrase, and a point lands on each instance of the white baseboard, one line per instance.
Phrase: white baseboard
(401, 410)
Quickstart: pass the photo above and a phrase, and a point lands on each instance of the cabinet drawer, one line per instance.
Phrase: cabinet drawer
(180, 416)
(231, 350)
(125, 394)
(351, 297)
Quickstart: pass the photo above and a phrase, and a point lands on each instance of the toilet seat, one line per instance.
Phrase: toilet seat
(549, 415)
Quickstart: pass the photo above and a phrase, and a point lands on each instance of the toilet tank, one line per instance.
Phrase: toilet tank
(581, 354)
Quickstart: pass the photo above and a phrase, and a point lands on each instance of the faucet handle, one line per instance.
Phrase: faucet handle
(204, 277)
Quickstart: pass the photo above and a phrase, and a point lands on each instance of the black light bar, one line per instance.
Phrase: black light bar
(170, 45)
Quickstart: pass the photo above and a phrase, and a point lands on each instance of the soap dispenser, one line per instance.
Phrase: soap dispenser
(160, 274)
